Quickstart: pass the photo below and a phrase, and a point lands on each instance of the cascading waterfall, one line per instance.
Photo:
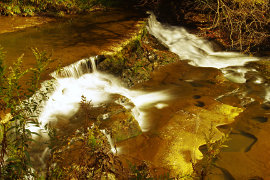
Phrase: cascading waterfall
(190, 47)
(77, 69)
(83, 79)
(199, 52)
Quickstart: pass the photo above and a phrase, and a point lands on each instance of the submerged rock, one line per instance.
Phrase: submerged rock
(120, 122)
(262, 66)
(188, 129)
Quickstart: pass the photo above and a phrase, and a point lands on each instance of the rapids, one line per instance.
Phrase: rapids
(190, 47)
(199, 52)
(175, 108)
(82, 79)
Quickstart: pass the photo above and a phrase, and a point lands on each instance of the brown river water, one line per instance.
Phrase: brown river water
(199, 98)
(68, 39)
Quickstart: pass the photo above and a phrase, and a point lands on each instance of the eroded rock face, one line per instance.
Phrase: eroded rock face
(174, 140)
(262, 66)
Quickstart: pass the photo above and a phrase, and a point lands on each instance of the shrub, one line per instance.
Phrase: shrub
(15, 137)
(245, 23)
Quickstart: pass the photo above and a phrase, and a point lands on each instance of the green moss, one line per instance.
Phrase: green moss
(120, 122)
(125, 129)
(137, 58)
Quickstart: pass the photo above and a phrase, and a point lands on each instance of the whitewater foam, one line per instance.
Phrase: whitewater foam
(198, 51)
(83, 79)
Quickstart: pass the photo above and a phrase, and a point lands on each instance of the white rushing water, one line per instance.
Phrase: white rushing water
(199, 52)
(190, 47)
(83, 79)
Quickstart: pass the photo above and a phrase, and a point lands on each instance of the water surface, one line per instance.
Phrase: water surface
(71, 39)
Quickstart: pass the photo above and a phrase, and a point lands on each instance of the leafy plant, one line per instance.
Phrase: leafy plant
(210, 153)
(55, 7)
(16, 138)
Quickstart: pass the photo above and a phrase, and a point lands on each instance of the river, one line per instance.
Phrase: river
(182, 104)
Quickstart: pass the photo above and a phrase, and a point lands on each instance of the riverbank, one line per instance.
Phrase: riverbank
(201, 99)
(236, 25)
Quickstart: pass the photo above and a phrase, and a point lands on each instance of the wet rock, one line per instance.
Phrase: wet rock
(120, 122)
(256, 160)
(135, 62)
(125, 129)
(188, 129)
(262, 66)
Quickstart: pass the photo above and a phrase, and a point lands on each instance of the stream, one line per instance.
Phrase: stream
(176, 109)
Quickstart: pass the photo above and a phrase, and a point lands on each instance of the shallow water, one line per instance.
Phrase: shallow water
(70, 39)
(172, 102)
(247, 154)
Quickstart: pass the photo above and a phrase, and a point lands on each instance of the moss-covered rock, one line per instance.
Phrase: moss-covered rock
(120, 122)
(138, 58)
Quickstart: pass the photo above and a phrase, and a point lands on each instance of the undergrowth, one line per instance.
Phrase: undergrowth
(211, 152)
(245, 24)
(53, 7)
(16, 138)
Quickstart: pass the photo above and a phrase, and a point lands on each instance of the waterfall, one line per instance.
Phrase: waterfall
(195, 49)
(83, 79)
(77, 69)
(199, 52)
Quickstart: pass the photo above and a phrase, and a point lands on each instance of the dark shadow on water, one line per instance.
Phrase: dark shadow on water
(226, 173)
(266, 106)
(260, 119)
(196, 97)
(238, 142)
(200, 104)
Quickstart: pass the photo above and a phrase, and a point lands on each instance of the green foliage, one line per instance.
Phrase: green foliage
(2, 56)
(93, 162)
(143, 171)
(15, 138)
(42, 61)
(56, 7)
(140, 172)
(210, 154)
